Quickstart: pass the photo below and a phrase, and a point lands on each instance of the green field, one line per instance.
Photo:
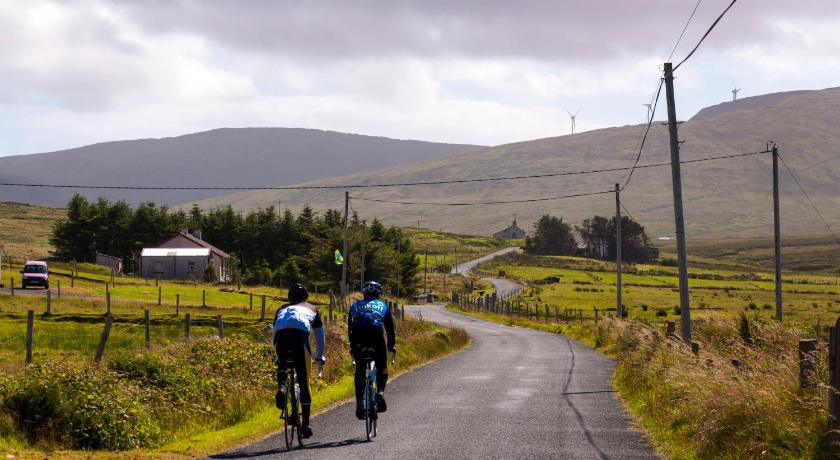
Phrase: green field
(650, 292)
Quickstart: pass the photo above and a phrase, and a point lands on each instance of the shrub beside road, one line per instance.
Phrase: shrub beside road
(182, 397)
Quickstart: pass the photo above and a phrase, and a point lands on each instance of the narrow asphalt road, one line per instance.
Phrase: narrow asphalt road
(504, 288)
(464, 268)
(514, 393)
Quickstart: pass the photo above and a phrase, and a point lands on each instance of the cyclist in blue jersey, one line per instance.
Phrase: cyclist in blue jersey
(292, 325)
(368, 323)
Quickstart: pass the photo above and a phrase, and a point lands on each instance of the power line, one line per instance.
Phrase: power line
(644, 138)
(532, 200)
(683, 31)
(352, 186)
(481, 203)
(754, 238)
(627, 211)
(808, 197)
(704, 36)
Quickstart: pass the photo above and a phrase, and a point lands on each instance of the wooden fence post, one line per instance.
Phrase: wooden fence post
(402, 313)
(49, 303)
(148, 323)
(160, 295)
(834, 377)
(177, 304)
(807, 363)
(109, 320)
(262, 308)
(12, 285)
(59, 288)
(204, 298)
(671, 328)
(187, 326)
(107, 301)
(220, 326)
(250, 301)
(30, 326)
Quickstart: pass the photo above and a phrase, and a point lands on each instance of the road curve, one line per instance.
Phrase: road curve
(514, 393)
(464, 268)
(504, 288)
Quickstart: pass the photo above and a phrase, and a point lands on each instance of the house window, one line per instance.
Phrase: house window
(191, 268)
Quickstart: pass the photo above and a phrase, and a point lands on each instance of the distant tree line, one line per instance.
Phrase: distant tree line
(269, 247)
(552, 236)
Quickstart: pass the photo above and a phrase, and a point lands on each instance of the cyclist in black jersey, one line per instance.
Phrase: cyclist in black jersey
(369, 321)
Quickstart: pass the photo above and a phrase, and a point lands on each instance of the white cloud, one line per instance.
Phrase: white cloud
(89, 71)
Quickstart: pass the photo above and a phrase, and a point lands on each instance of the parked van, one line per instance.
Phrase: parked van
(35, 273)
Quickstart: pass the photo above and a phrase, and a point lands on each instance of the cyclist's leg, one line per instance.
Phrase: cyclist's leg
(381, 359)
(303, 367)
(281, 347)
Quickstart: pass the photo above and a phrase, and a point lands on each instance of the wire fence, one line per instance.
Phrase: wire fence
(42, 337)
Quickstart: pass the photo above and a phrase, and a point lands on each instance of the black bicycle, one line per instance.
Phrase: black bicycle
(369, 395)
(291, 408)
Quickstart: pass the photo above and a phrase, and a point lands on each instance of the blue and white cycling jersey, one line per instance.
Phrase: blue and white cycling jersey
(369, 312)
(302, 316)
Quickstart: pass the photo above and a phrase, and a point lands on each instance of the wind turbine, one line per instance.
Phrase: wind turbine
(572, 116)
(735, 90)
(650, 109)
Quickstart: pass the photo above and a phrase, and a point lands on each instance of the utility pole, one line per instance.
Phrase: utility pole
(399, 256)
(344, 253)
(444, 271)
(364, 225)
(426, 272)
(777, 233)
(618, 306)
(679, 221)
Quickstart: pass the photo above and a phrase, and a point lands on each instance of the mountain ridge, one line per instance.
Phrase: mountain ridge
(259, 156)
(722, 198)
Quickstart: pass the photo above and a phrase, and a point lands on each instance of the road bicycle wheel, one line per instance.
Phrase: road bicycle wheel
(298, 417)
(288, 410)
(369, 405)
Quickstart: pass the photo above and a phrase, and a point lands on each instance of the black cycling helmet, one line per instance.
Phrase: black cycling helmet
(298, 293)
(372, 290)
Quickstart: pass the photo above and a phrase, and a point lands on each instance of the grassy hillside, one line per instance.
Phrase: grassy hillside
(722, 198)
(804, 254)
(25, 230)
(452, 248)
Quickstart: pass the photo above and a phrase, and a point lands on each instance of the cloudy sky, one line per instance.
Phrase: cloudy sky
(484, 72)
